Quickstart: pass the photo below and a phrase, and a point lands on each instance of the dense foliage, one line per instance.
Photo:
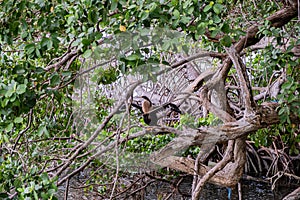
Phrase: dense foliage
(43, 48)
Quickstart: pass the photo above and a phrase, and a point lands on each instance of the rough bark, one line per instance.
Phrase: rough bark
(255, 117)
(294, 195)
(238, 130)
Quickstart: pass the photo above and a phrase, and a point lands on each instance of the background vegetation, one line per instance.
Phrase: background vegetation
(46, 46)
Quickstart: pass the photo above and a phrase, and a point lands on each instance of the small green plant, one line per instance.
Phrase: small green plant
(264, 137)
(148, 143)
(284, 134)
(189, 121)
(102, 104)
(29, 185)
(289, 100)
(210, 120)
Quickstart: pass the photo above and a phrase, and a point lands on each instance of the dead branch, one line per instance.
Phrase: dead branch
(97, 132)
(295, 195)
(219, 166)
(64, 59)
(196, 56)
(243, 77)
(218, 112)
(24, 131)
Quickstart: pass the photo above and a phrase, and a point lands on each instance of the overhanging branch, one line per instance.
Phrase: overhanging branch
(246, 90)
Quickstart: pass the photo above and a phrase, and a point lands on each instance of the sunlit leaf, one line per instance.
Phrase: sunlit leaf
(9, 127)
(207, 8)
(114, 5)
(21, 88)
(133, 57)
(217, 8)
(144, 15)
(122, 28)
(18, 120)
(87, 53)
(176, 14)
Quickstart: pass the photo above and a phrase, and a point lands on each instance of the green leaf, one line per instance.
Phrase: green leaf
(86, 41)
(217, 8)
(186, 4)
(70, 19)
(225, 28)
(5, 138)
(176, 14)
(51, 191)
(45, 179)
(55, 41)
(3, 195)
(20, 189)
(287, 85)
(144, 15)
(37, 52)
(166, 45)
(36, 197)
(14, 27)
(30, 48)
(98, 36)
(215, 32)
(226, 41)
(288, 120)
(9, 93)
(114, 5)
(174, 2)
(66, 73)
(39, 70)
(9, 127)
(133, 57)
(207, 8)
(17, 183)
(18, 120)
(87, 53)
(191, 10)
(292, 98)
(217, 19)
(92, 16)
(282, 110)
(13, 97)
(55, 80)
(21, 88)
(4, 102)
(201, 28)
(42, 130)
(46, 42)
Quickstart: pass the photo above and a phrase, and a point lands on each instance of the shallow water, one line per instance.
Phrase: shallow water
(251, 190)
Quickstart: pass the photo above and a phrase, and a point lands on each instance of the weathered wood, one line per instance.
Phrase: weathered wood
(228, 176)
(295, 195)
(255, 117)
